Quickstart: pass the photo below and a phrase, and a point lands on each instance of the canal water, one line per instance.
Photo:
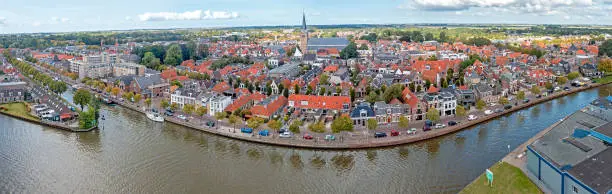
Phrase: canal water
(134, 155)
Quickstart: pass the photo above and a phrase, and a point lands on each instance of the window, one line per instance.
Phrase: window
(574, 189)
(304, 103)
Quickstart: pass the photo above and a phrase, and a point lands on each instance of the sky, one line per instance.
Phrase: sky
(30, 16)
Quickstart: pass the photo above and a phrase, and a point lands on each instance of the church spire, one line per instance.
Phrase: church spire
(304, 21)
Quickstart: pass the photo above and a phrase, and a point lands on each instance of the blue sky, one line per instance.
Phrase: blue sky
(77, 15)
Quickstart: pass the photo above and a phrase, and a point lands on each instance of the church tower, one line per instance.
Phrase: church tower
(304, 37)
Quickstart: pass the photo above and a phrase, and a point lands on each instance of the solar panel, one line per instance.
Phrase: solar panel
(578, 144)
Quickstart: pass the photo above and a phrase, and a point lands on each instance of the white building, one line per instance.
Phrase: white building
(183, 97)
(218, 104)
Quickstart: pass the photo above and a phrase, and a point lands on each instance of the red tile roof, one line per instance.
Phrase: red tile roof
(319, 102)
(168, 74)
(331, 68)
(221, 87)
(270, 108)
(432, 89)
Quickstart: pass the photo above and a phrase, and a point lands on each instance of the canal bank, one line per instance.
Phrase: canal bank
(38, 121)
(347, 143)
(134, 154)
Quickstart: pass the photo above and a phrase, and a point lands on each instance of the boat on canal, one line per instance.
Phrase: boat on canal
(155, 116)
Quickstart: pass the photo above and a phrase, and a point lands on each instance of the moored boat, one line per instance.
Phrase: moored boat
(155, 116)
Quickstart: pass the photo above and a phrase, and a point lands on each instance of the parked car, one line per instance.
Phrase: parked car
(246, 130)
(394, 133)
(264, 132)
(526, 101)
(488, 112)
(499, 110)
(428, 125)
(210, 123)
(411, 131)
(380, 135)
(307, 136)
(508, 107)
(282, 130)
(566, 88)
(472, 117)
(452, 123)
(182, 117)
(440, 126)
(493, 104)
(539, 96)
(330, 137)
(286, 134)
(168, 113)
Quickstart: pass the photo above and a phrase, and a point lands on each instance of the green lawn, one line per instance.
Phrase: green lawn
(507, 179)
(18, 109)
(604, 80)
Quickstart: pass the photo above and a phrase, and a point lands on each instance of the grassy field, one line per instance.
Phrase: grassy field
(18, 109)
(507, 179)
(604, 80)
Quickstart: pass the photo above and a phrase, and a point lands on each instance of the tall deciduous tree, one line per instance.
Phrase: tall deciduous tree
(460, 110)
(82, 97)
(342, 123)
(403, 122)
(274, 125)
(174, 55)
(480, 104)
(520, 95)
(433, 114)
(372, 124)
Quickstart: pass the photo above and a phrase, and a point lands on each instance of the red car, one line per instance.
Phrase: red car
(307, 136)
(394, 133)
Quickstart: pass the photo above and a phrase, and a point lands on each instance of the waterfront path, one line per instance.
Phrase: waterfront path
(352, 140)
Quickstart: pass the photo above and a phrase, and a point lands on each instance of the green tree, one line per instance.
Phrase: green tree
(535, 90)
(148, 102)
(233, 119)
(201, 111)
(188, 109)
(296, 89)
(174, 55)
(403, 122)
(317, 127)
(503, 101)
(372, 124)
(429, 36)
(220, 115)
(460, 110)
(480, 105)
(342, 123)
(137, 98)
(275, 125)
(174, 106)
(324, 79)
(606, 48)
(561, 80)
(164, 104)
(549, 86)
(295, 126)
(350, 51)
(254, 122)
(82, 97)
(605, 65)
(520, 95)
(433, 115)
(442, 37)
(573, 75)
(149, 60)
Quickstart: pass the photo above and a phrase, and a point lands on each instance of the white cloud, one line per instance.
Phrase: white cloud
(2, 21)
(128, 18)
(64, 20)
(188, 15)
(36, 24)
(539, 7)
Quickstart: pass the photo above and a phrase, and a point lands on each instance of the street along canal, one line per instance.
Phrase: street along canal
(135, 155)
